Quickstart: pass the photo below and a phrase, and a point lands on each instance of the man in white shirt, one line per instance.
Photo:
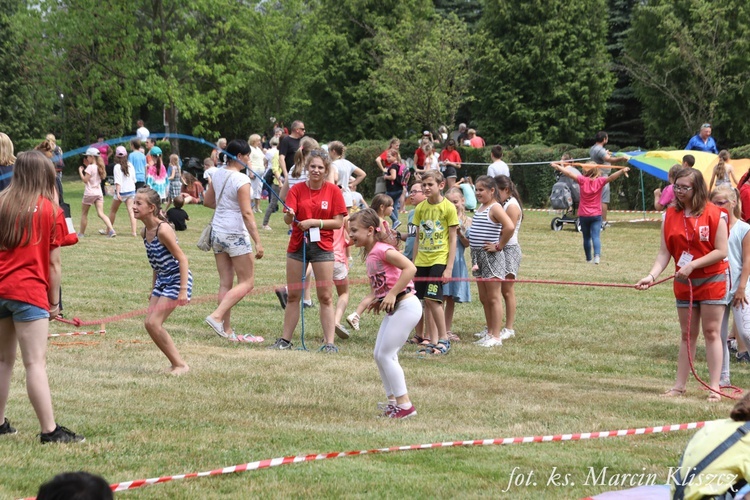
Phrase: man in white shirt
(498, 167)
(142, 133)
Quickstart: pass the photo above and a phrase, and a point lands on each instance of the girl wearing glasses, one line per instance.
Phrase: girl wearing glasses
(694, 233)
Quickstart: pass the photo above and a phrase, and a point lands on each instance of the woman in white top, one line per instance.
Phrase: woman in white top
(124, 173)
(257, 168)
(233, 226)
(511, 251)
(345, 170)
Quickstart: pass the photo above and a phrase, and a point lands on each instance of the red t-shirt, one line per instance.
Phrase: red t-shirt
(696, 236)
(451, 156)
(745, 201)
(419, 153)
(24, 270)
(324, 203)
(384, 157)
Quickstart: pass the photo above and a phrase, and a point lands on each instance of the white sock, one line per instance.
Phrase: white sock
(405, 406)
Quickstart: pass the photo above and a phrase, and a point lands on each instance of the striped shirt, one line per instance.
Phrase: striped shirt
(483, 230)
(161, 260)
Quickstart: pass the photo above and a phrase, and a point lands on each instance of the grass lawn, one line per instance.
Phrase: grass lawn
(583, 359)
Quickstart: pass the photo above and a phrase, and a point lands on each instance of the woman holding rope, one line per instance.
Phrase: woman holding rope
(694, 233)
(314, 208)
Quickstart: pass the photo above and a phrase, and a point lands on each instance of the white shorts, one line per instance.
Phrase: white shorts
(340, 271)
(232, 244)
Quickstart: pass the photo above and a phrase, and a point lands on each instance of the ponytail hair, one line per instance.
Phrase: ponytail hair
(504, 182)
(153, 199)
(305, 146)
(100, 167)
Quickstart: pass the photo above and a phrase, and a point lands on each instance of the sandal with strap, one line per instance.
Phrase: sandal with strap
(714, 397)
(249, 339)
(453, 337)
(427, 349)
(416, 339)
(673, 393)
(443, 347)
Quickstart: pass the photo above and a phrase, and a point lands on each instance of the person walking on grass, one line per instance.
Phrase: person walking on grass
(491, 229)
(390, 275)
(601, 156)
(92, 172)
(590, 207)
(32, 227)
(233, 226)
(172, 284)
(694, 233)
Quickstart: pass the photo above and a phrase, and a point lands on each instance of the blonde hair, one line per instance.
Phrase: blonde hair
(253, 138)
(461, 209)
(33, 176)
(337, 147)
(730, 194)
(6, 151)
(720, 170)
(174, 160)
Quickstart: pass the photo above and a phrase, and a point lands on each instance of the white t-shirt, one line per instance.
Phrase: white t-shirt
(142, 133)
(257, 163)
(432, 162)
(126, 182)
(345, 168)
(209, 173)
(228, 218)
(498, 168)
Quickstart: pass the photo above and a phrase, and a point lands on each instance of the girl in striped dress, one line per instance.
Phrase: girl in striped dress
(172, 282)
(491, 228)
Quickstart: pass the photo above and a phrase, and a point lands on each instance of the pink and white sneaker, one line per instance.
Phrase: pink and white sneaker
(398, 412)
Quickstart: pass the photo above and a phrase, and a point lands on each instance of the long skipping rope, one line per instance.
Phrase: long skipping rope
(270, 190)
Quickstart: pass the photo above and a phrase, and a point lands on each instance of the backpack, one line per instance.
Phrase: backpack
(404, 174)
(561, 197)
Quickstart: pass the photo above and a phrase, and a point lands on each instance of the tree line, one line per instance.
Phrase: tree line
(520, 72)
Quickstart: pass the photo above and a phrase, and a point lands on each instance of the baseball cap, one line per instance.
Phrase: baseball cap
(426, 132)
(92, 152)
(121, 151)
(155, 151)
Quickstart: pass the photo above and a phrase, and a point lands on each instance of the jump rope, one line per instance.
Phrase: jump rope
(77, 322)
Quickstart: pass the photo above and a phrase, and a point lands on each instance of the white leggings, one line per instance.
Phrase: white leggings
(742, 320)
(394, 332)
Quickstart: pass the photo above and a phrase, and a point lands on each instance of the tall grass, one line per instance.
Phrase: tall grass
(583, 359)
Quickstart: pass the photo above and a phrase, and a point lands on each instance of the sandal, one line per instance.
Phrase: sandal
(245, 339)
(714, 397)
(416, 339)
(453, 337)
(427, 349)
(443, 347)
(673, 393)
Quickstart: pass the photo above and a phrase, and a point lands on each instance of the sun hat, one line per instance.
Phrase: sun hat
(121, 151)
(155, 151)
(92, 152)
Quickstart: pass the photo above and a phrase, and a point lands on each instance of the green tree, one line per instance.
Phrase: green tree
(544, 71)
(690, 63)
(423, 75)
(469, 11)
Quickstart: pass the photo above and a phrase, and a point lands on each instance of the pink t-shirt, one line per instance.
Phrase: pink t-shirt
(93, 186)
(339, 245)
(591, 195)
(667, 196)
(383, 276)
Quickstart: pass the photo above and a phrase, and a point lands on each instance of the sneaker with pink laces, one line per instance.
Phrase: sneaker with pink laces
(399, 412)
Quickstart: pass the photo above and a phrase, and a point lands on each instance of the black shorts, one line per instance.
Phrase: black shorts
(430, 289)
(450, 172)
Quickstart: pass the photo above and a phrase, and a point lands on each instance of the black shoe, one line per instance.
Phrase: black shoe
(281, 345)
(61, 435)
(283, 296)
(7, 429)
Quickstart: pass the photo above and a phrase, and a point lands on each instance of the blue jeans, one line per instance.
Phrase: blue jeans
(396, 196)
(591, 227)
(21, 311)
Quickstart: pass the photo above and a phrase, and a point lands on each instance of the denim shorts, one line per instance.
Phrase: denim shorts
(21, 312)
(232, 244)
(313, 253)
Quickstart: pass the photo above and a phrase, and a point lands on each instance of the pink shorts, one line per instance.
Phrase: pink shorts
(92, 199)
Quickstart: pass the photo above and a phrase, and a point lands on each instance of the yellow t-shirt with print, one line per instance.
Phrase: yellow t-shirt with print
(433, 222)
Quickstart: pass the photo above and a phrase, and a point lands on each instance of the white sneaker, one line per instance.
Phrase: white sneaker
(482, 334)
(353, 320)
(480, 341)
(505, 334)
(596, 259)
(490, 341)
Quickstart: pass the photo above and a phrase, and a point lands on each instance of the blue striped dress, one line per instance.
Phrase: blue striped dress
(167, 269)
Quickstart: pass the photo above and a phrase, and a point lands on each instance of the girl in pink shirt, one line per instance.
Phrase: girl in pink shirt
(590, 206)
(390, 275)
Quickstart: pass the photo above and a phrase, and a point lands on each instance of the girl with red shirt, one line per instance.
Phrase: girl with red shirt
(32, 228)
(317, 208)
(450, 160)
(695, 234)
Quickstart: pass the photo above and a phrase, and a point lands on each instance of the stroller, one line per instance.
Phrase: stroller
(565, 196)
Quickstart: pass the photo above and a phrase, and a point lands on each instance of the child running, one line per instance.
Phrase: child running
(172, 282)
(511, 252)
(491, 229)
(459, 290)
(390, 275)
(590, 206)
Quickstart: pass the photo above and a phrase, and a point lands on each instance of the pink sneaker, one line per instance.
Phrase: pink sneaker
(399, 412)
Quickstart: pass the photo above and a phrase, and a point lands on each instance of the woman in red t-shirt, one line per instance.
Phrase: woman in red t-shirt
(32, 228)
(316, 208)
(694, 234)
(450, 160)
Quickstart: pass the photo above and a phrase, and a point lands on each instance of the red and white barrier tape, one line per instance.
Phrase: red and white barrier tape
(74, 334)
(275, 462)
(552, 210)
